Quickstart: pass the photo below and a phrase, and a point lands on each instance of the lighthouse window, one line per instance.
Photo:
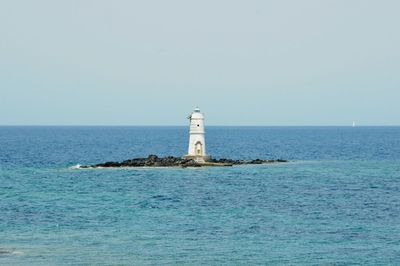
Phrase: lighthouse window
(198, 125)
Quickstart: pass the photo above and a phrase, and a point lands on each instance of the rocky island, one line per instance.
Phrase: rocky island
(196, 156)
(171, 161)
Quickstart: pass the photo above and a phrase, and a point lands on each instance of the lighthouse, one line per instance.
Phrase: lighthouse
(197, 142)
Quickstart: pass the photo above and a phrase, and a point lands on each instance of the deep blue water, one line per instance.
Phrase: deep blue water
(336, 203)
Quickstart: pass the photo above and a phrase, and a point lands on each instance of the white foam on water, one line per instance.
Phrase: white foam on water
(17, 253)
(78, 166)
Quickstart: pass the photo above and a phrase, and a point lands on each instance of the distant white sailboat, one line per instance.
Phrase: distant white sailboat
(354, 124)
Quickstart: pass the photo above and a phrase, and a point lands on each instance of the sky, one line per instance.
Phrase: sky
(247, 62)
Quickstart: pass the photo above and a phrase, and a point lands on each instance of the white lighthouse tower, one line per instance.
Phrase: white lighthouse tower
(197, 142)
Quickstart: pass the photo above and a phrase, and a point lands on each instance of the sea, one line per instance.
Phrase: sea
(337, 202)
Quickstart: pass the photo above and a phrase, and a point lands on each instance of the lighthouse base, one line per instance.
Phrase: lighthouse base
(197, 158)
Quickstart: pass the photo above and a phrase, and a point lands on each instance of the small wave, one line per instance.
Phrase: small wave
(77, 166)
(16, 252)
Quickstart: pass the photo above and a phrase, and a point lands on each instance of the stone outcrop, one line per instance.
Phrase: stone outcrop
(6, 252)
(170, 161)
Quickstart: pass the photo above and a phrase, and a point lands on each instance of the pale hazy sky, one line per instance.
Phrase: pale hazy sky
(311, 62)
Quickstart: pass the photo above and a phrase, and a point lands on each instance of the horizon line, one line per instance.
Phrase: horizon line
(212, 125)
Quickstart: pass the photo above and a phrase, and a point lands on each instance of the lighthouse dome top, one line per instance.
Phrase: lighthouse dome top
(197, 114)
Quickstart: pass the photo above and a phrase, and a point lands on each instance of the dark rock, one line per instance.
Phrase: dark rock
(256, 161)
(5, 252)
(170, 161)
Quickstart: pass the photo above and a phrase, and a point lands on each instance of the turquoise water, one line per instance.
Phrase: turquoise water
(336, 203)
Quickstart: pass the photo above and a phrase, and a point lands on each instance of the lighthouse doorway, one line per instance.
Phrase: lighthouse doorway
(199, 149)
